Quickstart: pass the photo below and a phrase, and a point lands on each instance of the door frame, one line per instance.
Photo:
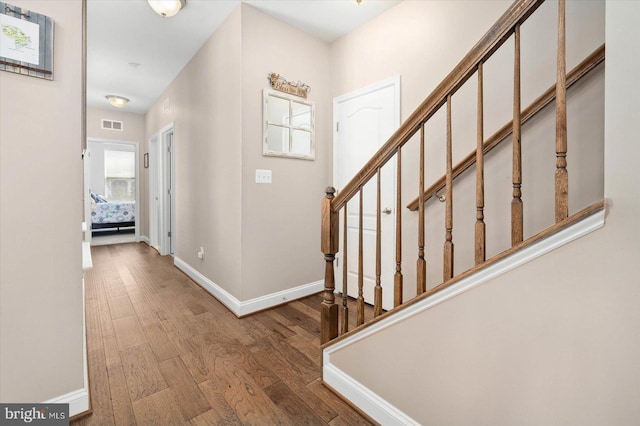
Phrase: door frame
(154, 196)
(162, 167)
(86, 159)
(87, 204)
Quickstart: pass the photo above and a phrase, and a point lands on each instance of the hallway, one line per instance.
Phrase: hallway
(162, 351)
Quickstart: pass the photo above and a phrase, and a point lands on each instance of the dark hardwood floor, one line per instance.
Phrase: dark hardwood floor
(162, 351)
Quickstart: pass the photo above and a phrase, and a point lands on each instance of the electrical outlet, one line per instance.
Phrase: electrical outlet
(201, 253)
(263, 176)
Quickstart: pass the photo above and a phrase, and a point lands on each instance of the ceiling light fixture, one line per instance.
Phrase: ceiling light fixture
(167, 8)
(117, 101)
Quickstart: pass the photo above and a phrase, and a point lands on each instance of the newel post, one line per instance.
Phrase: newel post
(329, 243)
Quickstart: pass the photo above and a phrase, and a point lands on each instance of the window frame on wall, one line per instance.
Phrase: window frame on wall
(130, 181)
(288, 126)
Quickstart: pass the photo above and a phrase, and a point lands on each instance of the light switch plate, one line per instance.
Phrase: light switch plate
(263, 176)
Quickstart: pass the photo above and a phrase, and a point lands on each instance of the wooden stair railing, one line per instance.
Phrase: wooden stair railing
(472, 63)
(576, 74)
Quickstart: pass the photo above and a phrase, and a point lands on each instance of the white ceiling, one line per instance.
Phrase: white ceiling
(120, 32)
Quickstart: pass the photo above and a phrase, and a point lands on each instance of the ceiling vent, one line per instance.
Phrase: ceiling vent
(112, 125)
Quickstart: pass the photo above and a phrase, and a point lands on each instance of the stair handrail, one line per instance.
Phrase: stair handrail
(509, 23)
(590, 63)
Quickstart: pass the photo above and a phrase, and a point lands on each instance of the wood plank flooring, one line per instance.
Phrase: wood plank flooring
(162, 351)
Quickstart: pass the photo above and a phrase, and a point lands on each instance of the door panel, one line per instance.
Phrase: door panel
(365, 121)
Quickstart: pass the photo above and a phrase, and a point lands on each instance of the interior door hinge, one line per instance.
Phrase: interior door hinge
(337, 126)
(169, 233)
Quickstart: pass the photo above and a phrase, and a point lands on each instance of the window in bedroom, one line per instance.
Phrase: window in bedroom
(120, 175)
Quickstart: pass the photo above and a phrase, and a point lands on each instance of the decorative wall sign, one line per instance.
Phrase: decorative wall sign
(279, 83)
(26, 42)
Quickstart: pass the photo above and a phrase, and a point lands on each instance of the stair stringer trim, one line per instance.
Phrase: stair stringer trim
(373, 404)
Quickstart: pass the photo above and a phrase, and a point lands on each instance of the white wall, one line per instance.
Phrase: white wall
(41, 205)
(553, 342)
(205, 106)
(280, 220)
(133, 124)
(248, 231)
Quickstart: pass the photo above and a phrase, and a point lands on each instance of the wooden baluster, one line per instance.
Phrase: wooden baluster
(480, 243)
(377, 294)
(329, 244)
(516, 203)
(360, 300)
(448, 244)
(397, 278)
(421, 264)
(345, 309)
(562, 176)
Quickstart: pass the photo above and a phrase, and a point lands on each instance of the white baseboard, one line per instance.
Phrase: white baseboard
(246, 307)
(78, 401)
(83, 401)
(144, 239)
(362, 397)
(374, 405)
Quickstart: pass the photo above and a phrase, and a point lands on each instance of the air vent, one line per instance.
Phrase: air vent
(112, 125)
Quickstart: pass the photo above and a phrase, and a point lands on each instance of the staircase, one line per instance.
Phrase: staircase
(337, 319)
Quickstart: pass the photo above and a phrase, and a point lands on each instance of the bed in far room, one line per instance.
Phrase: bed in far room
(111, 216)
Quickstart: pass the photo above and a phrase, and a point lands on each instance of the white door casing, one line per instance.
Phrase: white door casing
(86, 158)
(169, 206)
(154, 196)
(112, 144)
(363, 121)
(162, 169)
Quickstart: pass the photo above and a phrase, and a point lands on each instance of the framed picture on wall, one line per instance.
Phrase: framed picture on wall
(26, 42)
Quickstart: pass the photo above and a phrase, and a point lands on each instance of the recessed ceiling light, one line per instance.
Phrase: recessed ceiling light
(117, 101)
(167, 8)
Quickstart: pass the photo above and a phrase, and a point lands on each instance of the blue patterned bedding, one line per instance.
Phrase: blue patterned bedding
(113, 212)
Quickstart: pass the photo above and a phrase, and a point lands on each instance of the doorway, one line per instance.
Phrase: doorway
(112, 186)
(364, 120)
(162, 191)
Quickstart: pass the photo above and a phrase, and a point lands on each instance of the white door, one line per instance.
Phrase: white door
(364, 121)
